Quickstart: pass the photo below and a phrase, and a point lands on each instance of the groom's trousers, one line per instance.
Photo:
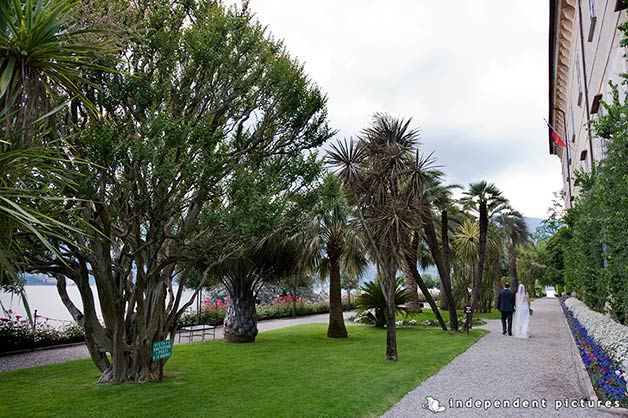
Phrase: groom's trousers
(507, 319)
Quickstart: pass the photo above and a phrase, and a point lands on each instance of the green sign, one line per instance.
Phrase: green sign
(162, 349)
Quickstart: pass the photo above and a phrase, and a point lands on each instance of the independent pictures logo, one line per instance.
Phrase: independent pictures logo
(433, 405)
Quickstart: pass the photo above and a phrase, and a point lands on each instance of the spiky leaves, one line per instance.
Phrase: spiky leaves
(332, 245)
(372, 302)
(383, 172)
(515, 234)
(487, 200)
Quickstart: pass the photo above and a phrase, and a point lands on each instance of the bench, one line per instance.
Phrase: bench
(196, 331)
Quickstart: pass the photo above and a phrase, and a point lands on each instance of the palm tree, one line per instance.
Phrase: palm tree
(483, 197)
(516, 233)
(332, 244)
(383, 173)
(437, 197)
(465, 248)
(243, 274)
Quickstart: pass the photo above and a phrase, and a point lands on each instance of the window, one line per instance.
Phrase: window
(585, 161)
(592, 19)
(573, 124)
(595, 106)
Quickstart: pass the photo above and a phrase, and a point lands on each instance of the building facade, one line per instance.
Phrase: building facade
(584, 55)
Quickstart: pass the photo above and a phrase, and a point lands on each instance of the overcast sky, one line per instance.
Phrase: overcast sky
(472, 74)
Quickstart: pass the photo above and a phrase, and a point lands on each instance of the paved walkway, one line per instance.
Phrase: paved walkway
(75, 352)
(542, 370)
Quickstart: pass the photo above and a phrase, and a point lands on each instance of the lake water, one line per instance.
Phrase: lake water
(48, 303)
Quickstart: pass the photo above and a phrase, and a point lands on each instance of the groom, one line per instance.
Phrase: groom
(506, 304)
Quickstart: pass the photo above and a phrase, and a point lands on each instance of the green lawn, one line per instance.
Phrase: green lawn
(291, 372)
(428, 314)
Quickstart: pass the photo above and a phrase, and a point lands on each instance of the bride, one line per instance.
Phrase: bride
(521, 320)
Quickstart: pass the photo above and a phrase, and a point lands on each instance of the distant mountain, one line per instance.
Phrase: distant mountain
(38, 280)
(371, 271)
(532, 223)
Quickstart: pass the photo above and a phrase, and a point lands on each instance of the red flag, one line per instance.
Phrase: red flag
(555, 137)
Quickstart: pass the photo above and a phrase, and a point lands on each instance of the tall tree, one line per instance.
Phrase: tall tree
(465, 248)
(383, 172)
(332, 243)
(438, 198)
(481, 196)
(516, 234)
(202, 93)
(262, 205)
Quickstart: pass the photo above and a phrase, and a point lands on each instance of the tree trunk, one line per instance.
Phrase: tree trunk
(240, 321)
(479, 274)
(512, 262)
(497, 287)
(442, 296)
(410, 285)
(416, 276)
(391, 326)
(391, 334)
(133, 363)
(336, 328)
(443, 270)
(449, 293)
(128, 341)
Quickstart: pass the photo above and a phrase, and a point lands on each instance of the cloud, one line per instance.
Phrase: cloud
(472, 74)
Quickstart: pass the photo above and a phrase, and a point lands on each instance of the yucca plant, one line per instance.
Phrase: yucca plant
(42, 57)
(42, 54)
(371, 302)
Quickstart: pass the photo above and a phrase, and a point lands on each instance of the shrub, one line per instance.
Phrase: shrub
(213, 312)
(17, 334)
(371, 303)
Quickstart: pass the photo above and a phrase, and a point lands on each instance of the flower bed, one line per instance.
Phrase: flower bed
(17, 334)
(611, 335)
(599, 350)
(213, 312)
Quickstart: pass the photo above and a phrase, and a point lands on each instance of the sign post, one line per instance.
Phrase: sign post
(162, 350)
(468, 311)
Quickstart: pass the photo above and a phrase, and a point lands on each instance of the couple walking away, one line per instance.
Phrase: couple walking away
(515, 309)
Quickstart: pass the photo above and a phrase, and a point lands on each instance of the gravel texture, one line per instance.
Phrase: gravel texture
(62, 354)
(543, 368)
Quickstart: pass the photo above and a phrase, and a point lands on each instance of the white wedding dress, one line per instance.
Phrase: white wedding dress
(521, 317)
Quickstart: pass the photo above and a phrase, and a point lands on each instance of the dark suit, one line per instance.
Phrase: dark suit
(506, 304)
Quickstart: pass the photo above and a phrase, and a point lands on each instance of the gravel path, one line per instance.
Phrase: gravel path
(542, 368)
(74, 352)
